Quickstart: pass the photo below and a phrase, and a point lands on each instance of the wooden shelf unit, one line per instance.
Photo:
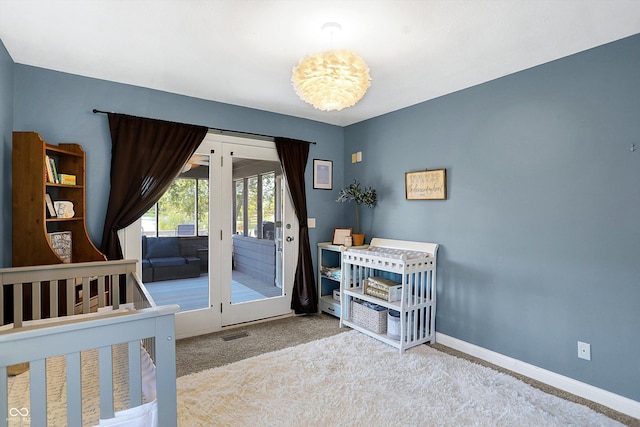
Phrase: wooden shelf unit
(31, 222)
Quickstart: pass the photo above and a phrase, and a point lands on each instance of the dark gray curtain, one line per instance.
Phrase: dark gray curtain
(293, 158)
(146, 156)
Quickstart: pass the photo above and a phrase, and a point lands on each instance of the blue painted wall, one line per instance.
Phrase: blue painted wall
(6, 123)
(540, 234)
(59, 107)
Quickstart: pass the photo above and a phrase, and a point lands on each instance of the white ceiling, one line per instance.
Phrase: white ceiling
(242, 51)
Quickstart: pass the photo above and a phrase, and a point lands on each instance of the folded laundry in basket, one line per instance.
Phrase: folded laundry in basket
(373, 306)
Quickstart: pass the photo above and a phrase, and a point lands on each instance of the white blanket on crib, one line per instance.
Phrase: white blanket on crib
(141, 416)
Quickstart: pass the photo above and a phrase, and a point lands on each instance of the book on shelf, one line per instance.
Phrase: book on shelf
(54, 170)
(50, 208)
(66, 179)
(61, 243)
(49, 171)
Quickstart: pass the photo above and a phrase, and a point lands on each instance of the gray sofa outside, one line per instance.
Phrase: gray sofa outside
(169, 258)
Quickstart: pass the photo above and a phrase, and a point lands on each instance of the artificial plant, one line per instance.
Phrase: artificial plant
(361, 196)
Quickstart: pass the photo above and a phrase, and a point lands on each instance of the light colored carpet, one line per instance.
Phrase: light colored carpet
(350, 379)
(209, 351)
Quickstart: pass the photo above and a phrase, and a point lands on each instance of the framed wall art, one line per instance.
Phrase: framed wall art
(322, 174)
(426, 184)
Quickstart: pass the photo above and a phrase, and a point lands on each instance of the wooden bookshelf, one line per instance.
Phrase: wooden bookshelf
(31, 220)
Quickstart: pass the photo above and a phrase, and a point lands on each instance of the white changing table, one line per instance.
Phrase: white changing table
(414, 264)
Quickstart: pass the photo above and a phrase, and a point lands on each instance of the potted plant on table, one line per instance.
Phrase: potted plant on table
(357, 194)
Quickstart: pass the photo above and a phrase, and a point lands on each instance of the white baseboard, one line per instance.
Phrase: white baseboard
(603, 397)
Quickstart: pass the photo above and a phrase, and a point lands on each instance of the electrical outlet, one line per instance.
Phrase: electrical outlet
(584, 350)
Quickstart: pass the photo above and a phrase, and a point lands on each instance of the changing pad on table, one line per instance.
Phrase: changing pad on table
(391, 252)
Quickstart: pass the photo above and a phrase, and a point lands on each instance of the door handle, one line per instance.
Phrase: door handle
(289, 239)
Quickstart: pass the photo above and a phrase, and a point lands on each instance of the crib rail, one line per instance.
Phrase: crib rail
(71, 335)
(142, 299)
(51, 291)
(63, 310)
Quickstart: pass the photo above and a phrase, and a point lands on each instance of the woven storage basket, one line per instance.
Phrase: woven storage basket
(373, 320)
(382, 288)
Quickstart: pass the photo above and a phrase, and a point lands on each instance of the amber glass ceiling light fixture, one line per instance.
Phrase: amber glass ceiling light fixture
(333, 79)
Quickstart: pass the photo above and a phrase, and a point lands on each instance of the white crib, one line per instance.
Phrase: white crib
(74, 319)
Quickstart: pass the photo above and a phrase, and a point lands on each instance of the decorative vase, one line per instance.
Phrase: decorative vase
(358, 239)
(348, 242)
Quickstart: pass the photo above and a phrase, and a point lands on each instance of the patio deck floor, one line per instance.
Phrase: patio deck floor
(192, 294)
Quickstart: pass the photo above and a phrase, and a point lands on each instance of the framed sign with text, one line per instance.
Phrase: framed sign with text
(426, 184)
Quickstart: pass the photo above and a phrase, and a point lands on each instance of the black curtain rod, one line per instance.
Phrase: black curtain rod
(222, 131)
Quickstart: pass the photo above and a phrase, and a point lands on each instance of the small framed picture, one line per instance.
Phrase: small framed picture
(339, 235)
(322, 174)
